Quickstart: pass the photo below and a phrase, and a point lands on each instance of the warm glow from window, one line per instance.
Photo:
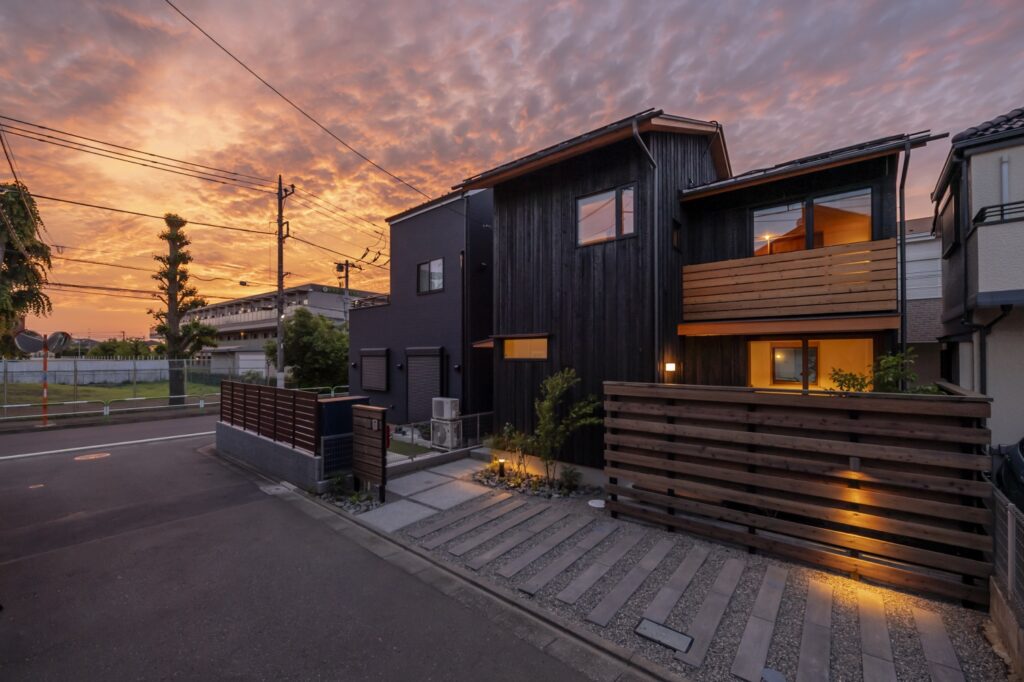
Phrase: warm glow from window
(526, 349)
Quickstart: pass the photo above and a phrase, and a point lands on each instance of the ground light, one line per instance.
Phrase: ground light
(501, 468)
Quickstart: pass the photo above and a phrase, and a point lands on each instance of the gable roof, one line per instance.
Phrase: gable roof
(1009, 124)
(862, 151)
(648, 120)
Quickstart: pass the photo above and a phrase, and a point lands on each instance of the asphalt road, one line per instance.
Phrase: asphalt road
(157, 561)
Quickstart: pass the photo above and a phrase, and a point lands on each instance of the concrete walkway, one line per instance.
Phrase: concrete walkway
(708, 611)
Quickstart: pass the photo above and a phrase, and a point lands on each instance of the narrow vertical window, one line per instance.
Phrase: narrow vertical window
(626, 211)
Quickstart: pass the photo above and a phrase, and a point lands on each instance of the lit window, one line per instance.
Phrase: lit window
(430, 276)
(788, 365)
(779, 229)
(842, 218)
(535, 348)
(605, 216)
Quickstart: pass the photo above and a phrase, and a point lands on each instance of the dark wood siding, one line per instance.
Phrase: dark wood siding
(715, 360)
(597, 302)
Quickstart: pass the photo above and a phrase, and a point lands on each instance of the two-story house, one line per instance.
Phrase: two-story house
(979, 209)
(416, 344)
(632, 253)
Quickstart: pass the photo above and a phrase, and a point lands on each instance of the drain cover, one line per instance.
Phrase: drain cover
(663, 635)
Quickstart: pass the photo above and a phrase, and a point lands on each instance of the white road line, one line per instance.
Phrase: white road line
(108, 445)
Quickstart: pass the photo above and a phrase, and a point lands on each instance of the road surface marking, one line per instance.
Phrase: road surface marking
(108, 445)
(92, 455)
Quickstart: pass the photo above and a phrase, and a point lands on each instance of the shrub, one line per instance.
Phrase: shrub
(889, 373)
(569, 478)
(555, 421)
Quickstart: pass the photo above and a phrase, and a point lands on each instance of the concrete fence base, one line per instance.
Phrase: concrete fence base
(273, 459)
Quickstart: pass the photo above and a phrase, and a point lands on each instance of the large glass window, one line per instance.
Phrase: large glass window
(779, 229)
(535, 348)
(807, 363)
(842, 218)
(605, 216)
(430, 276)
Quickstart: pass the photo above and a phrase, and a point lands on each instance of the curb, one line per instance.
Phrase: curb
(61, 422)
(634, 665)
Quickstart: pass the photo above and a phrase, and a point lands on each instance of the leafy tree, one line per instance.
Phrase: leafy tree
(179, 297)
(555, 421)
(24, 261)
(314, 349)
(889, 374)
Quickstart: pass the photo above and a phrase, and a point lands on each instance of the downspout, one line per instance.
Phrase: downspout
(464, 351)
(903, 257)
(656, 275)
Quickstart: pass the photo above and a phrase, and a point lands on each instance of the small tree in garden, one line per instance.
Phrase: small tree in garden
(889, 373)
(555, 421)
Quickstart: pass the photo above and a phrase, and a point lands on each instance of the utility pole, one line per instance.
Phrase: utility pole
(345, 266)
(282, 194)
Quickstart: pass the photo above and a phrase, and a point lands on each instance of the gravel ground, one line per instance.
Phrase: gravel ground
(965, 626)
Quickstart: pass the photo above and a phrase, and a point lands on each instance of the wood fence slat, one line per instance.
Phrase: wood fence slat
(885, 486)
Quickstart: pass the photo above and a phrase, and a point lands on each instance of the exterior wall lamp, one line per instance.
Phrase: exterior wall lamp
(670, 366)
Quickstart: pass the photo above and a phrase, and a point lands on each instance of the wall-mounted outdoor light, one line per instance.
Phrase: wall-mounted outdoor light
(399, 366)
(355, 364)
(457, 368)
(670, 366)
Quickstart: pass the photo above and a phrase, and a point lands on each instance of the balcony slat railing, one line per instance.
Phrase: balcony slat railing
(848, 278)
(1000, 213)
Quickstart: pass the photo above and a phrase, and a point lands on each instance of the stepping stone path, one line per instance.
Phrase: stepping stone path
(514, 533)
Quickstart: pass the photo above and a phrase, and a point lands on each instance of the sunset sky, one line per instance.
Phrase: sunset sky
(435, 91)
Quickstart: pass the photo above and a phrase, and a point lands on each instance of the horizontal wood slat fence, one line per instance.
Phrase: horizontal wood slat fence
(885, 486)
(848, 278)
(369, 451)
(284, 415)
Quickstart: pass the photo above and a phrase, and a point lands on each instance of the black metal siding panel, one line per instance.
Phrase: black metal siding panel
(424, 377)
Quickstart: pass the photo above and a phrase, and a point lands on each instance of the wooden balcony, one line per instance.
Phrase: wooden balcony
(849, 279)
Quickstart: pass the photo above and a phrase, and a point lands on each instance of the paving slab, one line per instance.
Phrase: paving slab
(416, 482)
(875, 645)
(705, 623)
(518, 538)
(564, 561)
(488, 516)
(668, 596)
(757, 636)
(450, 494)
(460, 468)
(938, 650)
(467, 510)
(602, 564)
(816, 638)
(546, 545)
(603, 613)
(395, 515)
(507, 523)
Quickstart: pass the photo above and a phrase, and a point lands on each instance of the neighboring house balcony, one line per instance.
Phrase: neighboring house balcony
(855, 279)
(995, 247)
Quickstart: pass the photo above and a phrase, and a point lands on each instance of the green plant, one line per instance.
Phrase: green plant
(24, 262)
(890, 373)
(569, 478)
(555, 421)
(314, 349)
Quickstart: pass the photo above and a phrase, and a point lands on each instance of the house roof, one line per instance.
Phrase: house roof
(1009, 123)
(648, 120)
(429, 203)
(884, 146)
(919, 225)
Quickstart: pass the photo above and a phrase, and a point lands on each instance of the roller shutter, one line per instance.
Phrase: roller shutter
(424, 377)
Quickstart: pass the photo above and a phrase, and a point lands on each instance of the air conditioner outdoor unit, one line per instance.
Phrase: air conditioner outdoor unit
(445, 434)
(446, 408)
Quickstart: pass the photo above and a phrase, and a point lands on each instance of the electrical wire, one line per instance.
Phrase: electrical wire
(132, 267)
(144, 164)
(148, 215)
(336, 253)
(137, 151)
(297, 107)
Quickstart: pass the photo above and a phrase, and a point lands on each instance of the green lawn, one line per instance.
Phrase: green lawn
(33, 393)
(407, 449)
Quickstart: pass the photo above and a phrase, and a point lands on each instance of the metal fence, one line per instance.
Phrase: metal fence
(1008, 550)
(468, 430)
(106, 408)
(337, 453)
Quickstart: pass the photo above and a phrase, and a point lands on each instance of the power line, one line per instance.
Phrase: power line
(297, 107)
(342, 218)
(132, 149)
(9, 154)
(336, 253)
(149, 215)
(120, 289)
(109, 265)
(379, 229)
(192, 275)
(312, 207)
(145, 165)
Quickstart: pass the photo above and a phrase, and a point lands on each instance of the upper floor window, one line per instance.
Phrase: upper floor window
(947, 226)
(430, 276)
(605, 216)
(843, 218)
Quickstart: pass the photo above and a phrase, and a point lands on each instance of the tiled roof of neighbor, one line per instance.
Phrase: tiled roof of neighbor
(1007, 123)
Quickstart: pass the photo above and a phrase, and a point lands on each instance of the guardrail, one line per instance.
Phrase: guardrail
(105, 408)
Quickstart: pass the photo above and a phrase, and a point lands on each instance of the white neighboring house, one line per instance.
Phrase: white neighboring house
(979, 208)
(244, 325)
(924, 298)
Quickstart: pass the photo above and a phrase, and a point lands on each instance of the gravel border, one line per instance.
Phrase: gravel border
(965, 626)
